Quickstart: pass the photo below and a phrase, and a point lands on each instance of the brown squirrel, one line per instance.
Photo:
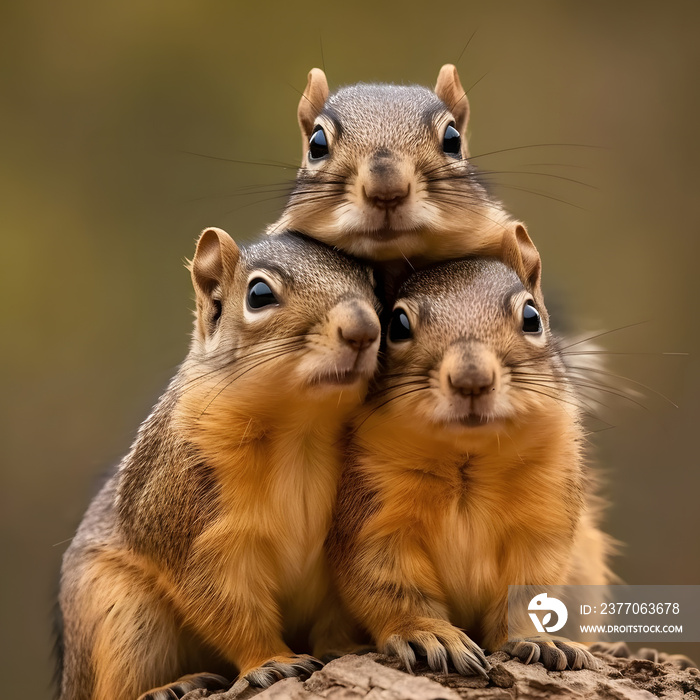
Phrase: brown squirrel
(465, 472)
(204, 550)
(385, 173)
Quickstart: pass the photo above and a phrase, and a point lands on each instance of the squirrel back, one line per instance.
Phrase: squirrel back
(386, 174)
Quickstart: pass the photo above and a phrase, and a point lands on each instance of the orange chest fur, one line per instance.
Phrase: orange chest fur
(275, 508)
(484, 525)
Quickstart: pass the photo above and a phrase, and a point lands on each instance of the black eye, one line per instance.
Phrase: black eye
(451, 141)
(318, 146)
(399, 326)
(260, 295)
(531, 319)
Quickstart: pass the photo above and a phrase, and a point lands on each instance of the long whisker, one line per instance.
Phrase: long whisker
(535, 145)
(541, 194)
(388, 401)
(597, 386)
(288, 342)
(579, 368)
(237, 376)
(531, 172)
(602, 333)
(269, 164)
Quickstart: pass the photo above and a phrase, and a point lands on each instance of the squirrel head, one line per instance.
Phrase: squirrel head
(469, 350)
(284, 317)
(385, 171)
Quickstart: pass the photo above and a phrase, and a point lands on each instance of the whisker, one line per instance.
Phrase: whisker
(236, 377)
(535, 145)
(602, 333)
(289, 342)
(388, 401)
(578, 403)
(541, 194)
(466, 46)
(531, 172)
(270, 164)
(578, 368)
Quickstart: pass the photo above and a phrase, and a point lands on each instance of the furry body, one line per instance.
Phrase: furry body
(466, 473)
(204, 551)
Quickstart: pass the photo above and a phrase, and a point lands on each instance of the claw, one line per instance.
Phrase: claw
(282, 667)
(182, 686)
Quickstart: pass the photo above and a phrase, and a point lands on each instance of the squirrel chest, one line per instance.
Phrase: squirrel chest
(277, 493)
(485, 518)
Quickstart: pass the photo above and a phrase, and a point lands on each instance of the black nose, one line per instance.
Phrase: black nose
(472, 381)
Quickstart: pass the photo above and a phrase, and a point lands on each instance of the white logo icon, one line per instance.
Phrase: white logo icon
(542, 602)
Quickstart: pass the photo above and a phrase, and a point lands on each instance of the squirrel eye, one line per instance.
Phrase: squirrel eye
(260, 295)
(451, 141)
(531, 319)
(318, 146)
(399, 326)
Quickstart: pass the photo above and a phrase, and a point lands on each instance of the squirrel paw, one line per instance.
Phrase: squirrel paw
(279, 667)
(438, 642)
(553, 654)
(209, 681)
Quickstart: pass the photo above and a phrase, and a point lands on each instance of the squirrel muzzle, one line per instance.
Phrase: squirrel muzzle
(470, 378)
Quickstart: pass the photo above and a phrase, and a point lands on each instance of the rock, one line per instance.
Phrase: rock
(376, 677)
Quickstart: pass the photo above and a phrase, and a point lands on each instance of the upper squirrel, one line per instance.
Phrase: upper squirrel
(465, 473)
(204, 551)
(385, 173)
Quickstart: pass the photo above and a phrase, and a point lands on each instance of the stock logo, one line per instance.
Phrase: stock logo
(542, 603)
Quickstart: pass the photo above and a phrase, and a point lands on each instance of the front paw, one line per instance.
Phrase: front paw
(438, 641)
(209, 681)
(279, 667)
(553, 654)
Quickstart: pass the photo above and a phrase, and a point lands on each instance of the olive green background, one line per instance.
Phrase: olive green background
(100, 201)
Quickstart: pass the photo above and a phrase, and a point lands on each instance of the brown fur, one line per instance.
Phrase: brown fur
(466, 473)
(204, 551)
(387, 190)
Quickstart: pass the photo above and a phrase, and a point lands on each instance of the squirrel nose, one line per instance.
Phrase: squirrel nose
(358, 328)
(472, 381)
(385, 195)
(385, 187)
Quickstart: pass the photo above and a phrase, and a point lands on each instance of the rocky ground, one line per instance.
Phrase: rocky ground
(376, 677)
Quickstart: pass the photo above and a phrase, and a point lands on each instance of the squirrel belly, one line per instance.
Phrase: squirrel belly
(386, 174)
(465, 473)
(203, 554)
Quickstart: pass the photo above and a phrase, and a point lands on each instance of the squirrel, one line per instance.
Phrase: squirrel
(386, 175)
(204, 550)
(465, 471)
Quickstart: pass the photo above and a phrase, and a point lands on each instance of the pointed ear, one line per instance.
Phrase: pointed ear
(519, 252)
(310, 106)
(450, 91)
(214, 262)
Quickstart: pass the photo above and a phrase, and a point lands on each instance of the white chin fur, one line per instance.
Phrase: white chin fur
(335, 370)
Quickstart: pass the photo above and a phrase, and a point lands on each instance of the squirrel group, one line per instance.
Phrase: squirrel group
(296, 488)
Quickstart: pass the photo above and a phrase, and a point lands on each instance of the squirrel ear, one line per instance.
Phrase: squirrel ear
(214, 261)
(310, 106)
(450, 91)
(519, 252)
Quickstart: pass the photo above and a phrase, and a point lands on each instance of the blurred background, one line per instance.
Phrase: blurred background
(104, 106)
